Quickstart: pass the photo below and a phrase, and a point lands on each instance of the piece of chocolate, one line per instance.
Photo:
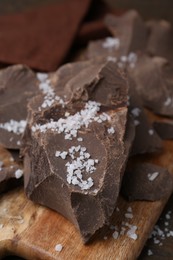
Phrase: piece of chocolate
(154, 82)
(130, 30)
(146, 138)
(10, 177)
(75, 151)
(164, 129)
(17, 86)
(145, 181)
(160, 39)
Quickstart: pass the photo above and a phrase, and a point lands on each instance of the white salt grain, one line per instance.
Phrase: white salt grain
(150, 252)
(115, 235)
(136, 111)
(151, 131)
(58, 247)
(18, 173)
(111, 42)
(168, 101)
(153, 176)
(129, 215)
(111, 130)
(14, 126)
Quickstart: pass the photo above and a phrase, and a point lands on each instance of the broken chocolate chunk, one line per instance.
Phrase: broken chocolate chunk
(76, 151)
(130, 30)
(160, 39)
(17, 86)
(146, 181)
(146, 138)
(164, 129)
(10, 177)
(153, 78)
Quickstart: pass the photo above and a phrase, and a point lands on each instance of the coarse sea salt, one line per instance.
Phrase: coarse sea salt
(135, 111)
(111, 42)
(18, 173)
(14, 126)
(151, 131)
(58, 248)
(79, 163)
(153, 176)
(71, 124)
(168, 101)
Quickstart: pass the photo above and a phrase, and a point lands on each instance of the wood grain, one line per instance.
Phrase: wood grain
(32, 231)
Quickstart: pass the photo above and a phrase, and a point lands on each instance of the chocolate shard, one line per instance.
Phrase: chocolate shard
(75, 151)
(146, 138)
(17, 86)
(153, 78)
(145, 181)
(10, 177)
(125, 43)
(160, 39)
(129, 29)
(164, 129)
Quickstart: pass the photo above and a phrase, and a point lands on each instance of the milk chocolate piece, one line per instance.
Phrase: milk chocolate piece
(160, 39)
(130, 30)
(17, 86)
(146, 181)
(85, 195)
(146, 138)
(153, 77)
(10, 178)
(164, 129)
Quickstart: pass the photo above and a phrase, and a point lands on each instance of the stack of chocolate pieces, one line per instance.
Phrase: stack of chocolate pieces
(78, 126)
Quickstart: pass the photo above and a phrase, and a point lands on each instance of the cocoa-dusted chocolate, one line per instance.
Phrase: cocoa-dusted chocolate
(153, 78)
(75, 151)
(146, 181)
(164, 129)
(17, 86)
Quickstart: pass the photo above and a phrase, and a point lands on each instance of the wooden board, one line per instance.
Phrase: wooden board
(32, 231)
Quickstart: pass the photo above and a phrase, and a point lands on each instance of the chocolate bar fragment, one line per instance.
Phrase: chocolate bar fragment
(146, 181)
(76, 151)
(17, 86)
(164, 129)
(130, 30)
(10, 177)
(146, 138)
(153, 78)
(160, 39)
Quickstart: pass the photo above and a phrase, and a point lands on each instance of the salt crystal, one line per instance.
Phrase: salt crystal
(167, 216)
(168, 101)
(128, 215)
(136, 111)
(110, 58)
(111, 42)
(80, 139)
(136, 122)
(129, 209)
(111, 130)
(41, 76)
(57, 154)
(63, 155)
(18, 173)
(151, 131)
(58, 247)
(115, 235)
(153, 176)
(150, 252)
(14, 126)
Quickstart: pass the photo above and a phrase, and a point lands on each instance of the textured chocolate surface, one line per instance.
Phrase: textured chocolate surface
(17, 86)
(146, 181)
(46, 176)
(153, 77)
(164, 129)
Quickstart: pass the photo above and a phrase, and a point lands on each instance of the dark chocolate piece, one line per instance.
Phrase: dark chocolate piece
(146, 181)
(10, 177)
(79, 178)
(17, 86)
(160, 39)
(164, 129)
(154, 82)
(146, 138)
